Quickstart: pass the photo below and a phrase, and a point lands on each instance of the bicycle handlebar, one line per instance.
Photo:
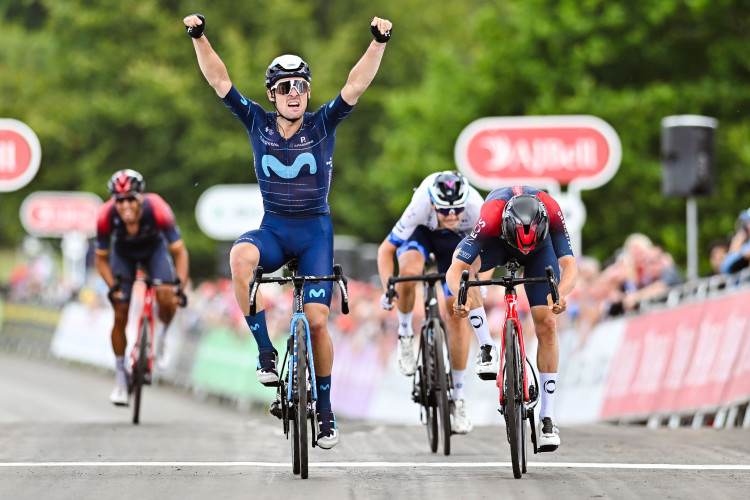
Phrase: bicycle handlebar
(150, 282)
(428, 278)
(338, 278)
(508, 281)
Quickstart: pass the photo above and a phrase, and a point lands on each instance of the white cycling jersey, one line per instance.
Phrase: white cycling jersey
(420, 213)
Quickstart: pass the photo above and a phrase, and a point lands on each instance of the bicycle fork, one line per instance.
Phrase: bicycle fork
(499, 380)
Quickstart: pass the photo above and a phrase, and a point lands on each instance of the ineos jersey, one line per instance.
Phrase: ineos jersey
(420, 213)
(294, 174)
(490, 221)
(156, 220)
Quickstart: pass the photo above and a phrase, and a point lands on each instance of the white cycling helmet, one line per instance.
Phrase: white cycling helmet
(449, 189)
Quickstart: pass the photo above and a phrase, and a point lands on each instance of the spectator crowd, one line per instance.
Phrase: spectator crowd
(639, 270)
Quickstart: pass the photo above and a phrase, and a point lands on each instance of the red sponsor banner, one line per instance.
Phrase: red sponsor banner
(578, 150)
(52, 213)
(20, 154)
(687, 358)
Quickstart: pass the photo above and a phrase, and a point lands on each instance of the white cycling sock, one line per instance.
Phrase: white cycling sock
(121, 377)
(404, 324)
(459, 376)
(478, 320)
(549, 384)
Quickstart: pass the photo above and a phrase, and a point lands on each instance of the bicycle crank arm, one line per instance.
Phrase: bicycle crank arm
(532, 421)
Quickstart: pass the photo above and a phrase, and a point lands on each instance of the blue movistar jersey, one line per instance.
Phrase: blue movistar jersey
(295, 174)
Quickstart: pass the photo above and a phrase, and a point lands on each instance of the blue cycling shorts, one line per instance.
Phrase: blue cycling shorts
(441, 242)
(496, 252)
(155, 259)
(309, 239)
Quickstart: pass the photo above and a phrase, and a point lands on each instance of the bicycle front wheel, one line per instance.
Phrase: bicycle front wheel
(301, 381)
(441, 382)
(427, 389)
(140, 368)
(514, 397)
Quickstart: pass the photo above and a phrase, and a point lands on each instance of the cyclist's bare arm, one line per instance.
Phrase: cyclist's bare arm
(453, 279)
(386, 252)
(181, 260)
(568, 278)
(366, 68)
(211, 65)
(101, 261)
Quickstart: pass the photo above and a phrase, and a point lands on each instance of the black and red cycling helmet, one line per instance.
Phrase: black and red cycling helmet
(525, 221)
(125, 183)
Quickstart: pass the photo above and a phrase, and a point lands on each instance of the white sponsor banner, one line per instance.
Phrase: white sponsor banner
(584, 372)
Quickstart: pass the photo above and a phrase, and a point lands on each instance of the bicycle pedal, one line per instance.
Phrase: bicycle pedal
(488, 376)
(147, 378)
(274, 383)
(547, 448)
(275, 409)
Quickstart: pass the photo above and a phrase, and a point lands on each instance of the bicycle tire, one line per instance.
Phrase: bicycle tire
(427, 396)
(441, 385)
(294, 415)
(514, 397)
(301, 380)
(139, 370)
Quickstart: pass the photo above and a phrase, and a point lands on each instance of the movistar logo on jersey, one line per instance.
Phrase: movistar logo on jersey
(325, 387)
(255, 327)
(317, 293)
(288, 171)
(243, 101)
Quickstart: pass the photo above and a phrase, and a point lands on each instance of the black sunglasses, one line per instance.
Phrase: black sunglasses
(450, 211)
(127, 198)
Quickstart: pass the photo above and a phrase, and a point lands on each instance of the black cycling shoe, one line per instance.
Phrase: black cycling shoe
(266, 371)
(328, 432)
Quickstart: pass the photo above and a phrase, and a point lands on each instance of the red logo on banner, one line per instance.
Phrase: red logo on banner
(20, 155)
(52, 214)
(578, 150)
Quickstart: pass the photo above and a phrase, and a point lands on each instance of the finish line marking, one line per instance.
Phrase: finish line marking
(400, 465)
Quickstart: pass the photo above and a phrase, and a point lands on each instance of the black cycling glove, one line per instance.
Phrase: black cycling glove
(197, 31)
(380, 37)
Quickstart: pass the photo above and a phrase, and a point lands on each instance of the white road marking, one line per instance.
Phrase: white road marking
(477, 465)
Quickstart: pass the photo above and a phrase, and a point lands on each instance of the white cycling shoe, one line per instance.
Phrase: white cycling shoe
(120, 396)
(488, 362)
(459, 415)
(407, 364)
(548, 435)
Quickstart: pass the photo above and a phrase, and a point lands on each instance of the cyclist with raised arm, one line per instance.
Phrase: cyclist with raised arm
(526, 224)
(293, 153)
(442, 211)
(137, 229)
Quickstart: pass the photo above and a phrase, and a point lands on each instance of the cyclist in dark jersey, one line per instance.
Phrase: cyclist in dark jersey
(140, 229)
(293, 154)
(526, 224)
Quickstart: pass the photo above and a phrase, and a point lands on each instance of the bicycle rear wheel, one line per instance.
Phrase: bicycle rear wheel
(301, 381)
(514, 397)
(427, 390)
(440, 383)
(140, 368)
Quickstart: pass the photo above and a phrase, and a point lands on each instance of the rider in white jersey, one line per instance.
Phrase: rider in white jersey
(443, 210)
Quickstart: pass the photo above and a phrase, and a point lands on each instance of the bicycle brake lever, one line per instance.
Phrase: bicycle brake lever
(338, 272)
(462, 289)
(254, 283)
(552, 279)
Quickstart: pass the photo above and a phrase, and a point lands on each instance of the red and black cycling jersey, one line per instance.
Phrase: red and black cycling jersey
(157, 221)
(490, 223)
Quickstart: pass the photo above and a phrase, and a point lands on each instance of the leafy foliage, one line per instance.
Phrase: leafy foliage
(109, 85)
